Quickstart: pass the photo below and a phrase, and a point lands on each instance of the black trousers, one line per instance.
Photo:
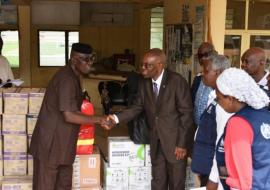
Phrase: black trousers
(203, 180)
(51, 177)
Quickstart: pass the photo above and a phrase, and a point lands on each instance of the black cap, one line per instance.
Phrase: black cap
(82, 48)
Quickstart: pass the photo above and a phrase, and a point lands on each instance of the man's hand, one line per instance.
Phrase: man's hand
(111, 118)
(211, 185)
(107, 122)
(180, 153)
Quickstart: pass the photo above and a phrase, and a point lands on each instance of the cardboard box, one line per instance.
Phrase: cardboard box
(15, 164)
(14, 123)
(14, 158)
(1, 167)
(86, 170)
(124, 153)
(15, 143)
(137, 154)
(88, 188)
(1, 101)
(29, 138)
(30, 161)
(17, 183)
(15, 101)
(1, 158)
(35, 99)
(115, 178)
(31, 120)
(147, 155)
(139, 178)
(1, 121)
(9, 90)
(30, 164)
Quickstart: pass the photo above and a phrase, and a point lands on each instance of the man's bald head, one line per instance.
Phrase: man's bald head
(158, 53)
(256, 51)
(253, 62)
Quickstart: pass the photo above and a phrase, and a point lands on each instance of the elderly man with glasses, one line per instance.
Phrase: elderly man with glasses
(165, 98)
(199, 91)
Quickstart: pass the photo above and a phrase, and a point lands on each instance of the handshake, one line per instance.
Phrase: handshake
(106, 122)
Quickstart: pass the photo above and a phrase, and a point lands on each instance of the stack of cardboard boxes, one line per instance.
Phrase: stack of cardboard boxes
(19, 105)
(128, 166)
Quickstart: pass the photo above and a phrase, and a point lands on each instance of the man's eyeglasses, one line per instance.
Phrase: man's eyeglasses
(147, 66)
(203, 55)
(91, 58)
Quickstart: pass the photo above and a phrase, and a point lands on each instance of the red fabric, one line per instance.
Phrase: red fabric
(238, 155)
(86, 135)
(87, 131)
(87, 108)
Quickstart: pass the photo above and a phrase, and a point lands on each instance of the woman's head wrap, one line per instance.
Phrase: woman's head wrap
(238, 84)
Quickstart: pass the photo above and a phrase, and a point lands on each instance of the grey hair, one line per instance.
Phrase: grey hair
(219, 62)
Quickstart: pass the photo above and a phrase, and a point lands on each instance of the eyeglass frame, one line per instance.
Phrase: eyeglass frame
(203, 55)
(147, 66)
(89, 58)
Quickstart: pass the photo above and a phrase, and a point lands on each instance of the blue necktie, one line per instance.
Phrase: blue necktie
(155, 90)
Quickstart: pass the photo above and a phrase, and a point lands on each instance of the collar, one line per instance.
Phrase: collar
(211, 97)
(263, 81)
(159, 79)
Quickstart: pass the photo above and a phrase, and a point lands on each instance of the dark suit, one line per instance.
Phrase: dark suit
(170, 120)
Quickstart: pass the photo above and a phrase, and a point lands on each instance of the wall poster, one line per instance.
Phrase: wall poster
(199, 33)
(178, 47)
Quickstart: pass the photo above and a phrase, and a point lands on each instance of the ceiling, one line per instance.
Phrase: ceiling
(142, 2)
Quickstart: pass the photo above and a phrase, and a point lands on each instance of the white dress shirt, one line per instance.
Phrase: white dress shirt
(158, 82)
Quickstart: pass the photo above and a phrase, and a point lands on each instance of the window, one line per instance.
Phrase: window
(156, 39)
(235, 14)
(247, 25)
(73, 37)
(11, 47)
(232, 49)
(259, 16)
(54, 47)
